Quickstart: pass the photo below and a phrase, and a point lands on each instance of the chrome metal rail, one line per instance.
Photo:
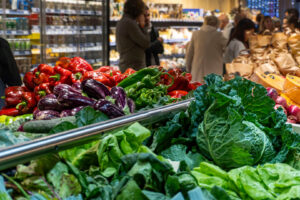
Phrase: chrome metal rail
(22, 153)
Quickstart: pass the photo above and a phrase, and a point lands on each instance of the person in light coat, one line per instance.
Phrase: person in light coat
(205, 51)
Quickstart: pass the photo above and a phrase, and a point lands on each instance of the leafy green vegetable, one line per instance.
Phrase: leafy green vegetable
(178, 152)
(240, 126)
(88, 116)
(3, 192)
(7, 138)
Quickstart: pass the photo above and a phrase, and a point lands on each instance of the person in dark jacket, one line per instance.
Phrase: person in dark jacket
(9, 73)
(131, 36)
(156, 46)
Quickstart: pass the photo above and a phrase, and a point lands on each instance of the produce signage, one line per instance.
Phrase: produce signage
(229, 144)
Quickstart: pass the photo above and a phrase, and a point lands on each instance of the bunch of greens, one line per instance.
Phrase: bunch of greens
(271, 181)
(234, 124)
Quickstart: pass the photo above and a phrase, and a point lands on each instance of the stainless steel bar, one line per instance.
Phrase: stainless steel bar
(25, 152)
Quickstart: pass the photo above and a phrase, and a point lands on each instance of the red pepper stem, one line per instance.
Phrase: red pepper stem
(3, 97)
(165, 73)
(37, 74)
(23, 103)
(56, 77)
(78, 76)
(42, 93)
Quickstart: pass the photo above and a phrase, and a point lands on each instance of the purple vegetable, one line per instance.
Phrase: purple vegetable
(75, 100)
(119, 95)
(63, 88)
(45, 115)
(71, 112)
(95, 89)
(77, 86)
(131, 105)
(50, 102)
(108, 108)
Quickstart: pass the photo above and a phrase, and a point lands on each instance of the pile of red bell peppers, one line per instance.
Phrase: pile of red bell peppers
(182, 83)
(42, 80)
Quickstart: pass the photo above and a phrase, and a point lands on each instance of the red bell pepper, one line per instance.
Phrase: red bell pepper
(9, 111)
(118, 78)
(13, 95)
(79, 65)
(62, 76)
(181, 80)
(99, 76)
(194, 85)
(42, 74)
(77, 77)
(28, 80)
(112, 71)
(42, 90)
(177, 94)
(129, 71)
(28, 103)
(64, 62)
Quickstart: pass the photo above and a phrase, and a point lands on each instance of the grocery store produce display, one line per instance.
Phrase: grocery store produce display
(52, 95)
(229, 144)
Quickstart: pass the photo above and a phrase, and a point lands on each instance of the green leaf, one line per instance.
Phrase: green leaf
(154, 195)
(38, 184)
(131, 191)
(7, 138)
(69, 186)
(88, 116)
(56, 174)
(64, 126)
(177, 152)
(3, 192)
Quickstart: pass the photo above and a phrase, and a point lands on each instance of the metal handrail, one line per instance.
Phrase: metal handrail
(22, 153)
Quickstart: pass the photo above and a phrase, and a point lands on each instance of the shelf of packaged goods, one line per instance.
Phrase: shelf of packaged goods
(72, 30)
(73, 49)
(15, 12)
(22, 53)
(15, 32)
(173, 56)
(13, 155)
(176, 40)
(167, 22)
(69, 12)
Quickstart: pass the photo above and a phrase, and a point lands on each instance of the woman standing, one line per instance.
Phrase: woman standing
(131, 36)
(266, 25)
(239, 39)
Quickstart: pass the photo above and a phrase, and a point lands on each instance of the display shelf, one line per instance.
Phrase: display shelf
(176, 40)
(15, 12)
(15, 32)
(22, 53)
(69, 12)
(173, 56)
(114, 62)
(167, 22)
(13, 155)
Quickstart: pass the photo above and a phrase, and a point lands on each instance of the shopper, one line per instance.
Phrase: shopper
(292, 23)
(225, 25)
(277, 24)
(238, 17)
(239, 39)
(156, 46)
(131, 36)
(258, 20)
(9, 73)
(266, 25)
(205, 52)
(292, 12)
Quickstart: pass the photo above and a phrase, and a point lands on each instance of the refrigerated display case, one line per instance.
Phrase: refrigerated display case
(41, 31)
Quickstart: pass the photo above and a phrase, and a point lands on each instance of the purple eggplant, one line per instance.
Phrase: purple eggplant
(95, 89)
(50, 102)
(71, 112)
(45, 114)
(75, 100)
(77, 86)
(131, 105)
(119, 95)
(108, 108)
(63, 88)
